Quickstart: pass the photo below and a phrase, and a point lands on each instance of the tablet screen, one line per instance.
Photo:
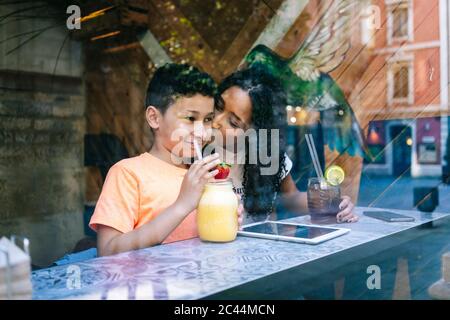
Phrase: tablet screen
(298, 231)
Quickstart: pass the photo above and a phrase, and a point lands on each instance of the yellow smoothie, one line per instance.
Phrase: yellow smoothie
(217, 213)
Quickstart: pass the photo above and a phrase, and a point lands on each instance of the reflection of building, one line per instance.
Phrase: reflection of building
(403, 96)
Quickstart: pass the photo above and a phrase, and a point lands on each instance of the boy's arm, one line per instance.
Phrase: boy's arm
(111, 241)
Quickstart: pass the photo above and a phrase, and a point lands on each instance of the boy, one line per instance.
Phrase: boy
(151, 199)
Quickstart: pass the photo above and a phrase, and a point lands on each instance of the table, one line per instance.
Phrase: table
(245, 268)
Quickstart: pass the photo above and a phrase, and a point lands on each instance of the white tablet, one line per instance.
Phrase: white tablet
(288, 231)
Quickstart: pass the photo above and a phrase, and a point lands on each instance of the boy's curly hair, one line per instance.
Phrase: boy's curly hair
(172, 81)
(268, 112)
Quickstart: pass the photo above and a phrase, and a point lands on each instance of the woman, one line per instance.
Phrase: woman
(253, 99)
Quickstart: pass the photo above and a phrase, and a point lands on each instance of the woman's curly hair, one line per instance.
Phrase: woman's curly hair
(268, 112)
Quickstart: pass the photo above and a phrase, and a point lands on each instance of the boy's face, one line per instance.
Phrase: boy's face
(186, 120)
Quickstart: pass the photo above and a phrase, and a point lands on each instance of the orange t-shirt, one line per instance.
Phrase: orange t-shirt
(136, 190)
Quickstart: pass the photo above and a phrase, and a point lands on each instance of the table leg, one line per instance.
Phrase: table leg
(402, 288)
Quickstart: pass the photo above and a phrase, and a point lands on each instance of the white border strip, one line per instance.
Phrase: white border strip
(153, 49)
(409, 47)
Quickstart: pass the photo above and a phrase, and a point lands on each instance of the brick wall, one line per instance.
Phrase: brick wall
(41, 163)
(42, 126)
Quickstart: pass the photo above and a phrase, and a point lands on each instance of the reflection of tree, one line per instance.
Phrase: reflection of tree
(213, 35)
(27, 13)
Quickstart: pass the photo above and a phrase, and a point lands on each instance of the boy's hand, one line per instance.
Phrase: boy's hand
(195, 180)
(346, 215)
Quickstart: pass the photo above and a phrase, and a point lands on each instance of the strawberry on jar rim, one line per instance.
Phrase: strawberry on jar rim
(224, 171)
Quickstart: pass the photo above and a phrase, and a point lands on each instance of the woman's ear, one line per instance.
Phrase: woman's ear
(153, 117)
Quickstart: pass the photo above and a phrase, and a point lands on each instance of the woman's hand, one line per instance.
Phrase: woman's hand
(240, 212)
(346, 215)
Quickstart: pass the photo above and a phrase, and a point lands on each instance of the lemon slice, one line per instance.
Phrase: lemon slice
(335, 175)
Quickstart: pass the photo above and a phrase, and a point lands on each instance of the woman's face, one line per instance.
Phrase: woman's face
(236, 116)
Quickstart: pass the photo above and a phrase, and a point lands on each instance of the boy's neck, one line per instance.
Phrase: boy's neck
(165, 155)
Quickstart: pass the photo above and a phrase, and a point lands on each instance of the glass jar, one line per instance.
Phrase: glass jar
(323, 200)
(217, 219)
